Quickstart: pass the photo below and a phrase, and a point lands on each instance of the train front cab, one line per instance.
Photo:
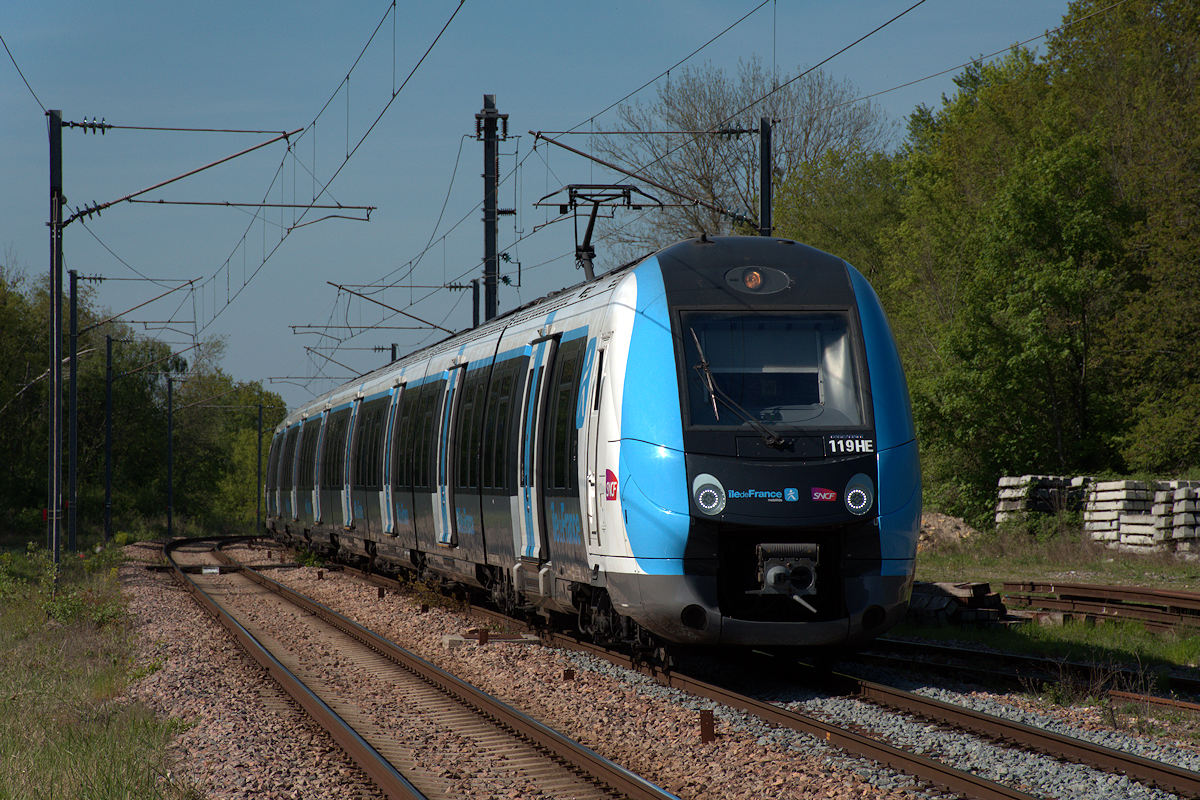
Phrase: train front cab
(772, 493)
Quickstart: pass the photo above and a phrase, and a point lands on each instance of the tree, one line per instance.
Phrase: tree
(1003, 276)
(216, 475)
(23, 396)
(843, 202)
(812, 115)
(1132, 74)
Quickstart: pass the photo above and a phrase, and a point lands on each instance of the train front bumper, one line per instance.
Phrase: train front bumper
(685, 609)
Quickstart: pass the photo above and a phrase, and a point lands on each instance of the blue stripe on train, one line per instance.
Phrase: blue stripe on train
(653, 477)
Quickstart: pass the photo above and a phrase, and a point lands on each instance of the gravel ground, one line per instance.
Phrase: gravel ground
(243, 738)
(628, 718)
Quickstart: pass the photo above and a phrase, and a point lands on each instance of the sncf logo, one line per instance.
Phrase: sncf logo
(823, 495)
(610, 485)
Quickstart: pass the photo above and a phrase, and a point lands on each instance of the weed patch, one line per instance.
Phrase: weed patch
(65, 662)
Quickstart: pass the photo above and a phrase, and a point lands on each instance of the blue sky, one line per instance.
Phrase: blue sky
(272, 66)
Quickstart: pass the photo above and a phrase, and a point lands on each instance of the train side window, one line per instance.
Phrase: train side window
(497, 412)
(289, 453)
(308, 454)
(333, 450)
(375, 459)
(469, 428)
(599, 379)
(426, 430)
(497, 437)
(402, 439)
(563, 439)
(367, 434)
(273, 463)
(509, 442)
(273, 474)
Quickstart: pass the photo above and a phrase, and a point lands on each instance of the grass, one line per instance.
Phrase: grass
(1065, 554)
(1058, 550)
(65, 663)
(1109, 642)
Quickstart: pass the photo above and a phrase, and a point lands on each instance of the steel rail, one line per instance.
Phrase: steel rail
(582, 758)
(1163, 608)
(1012, 678)
(917, 766)
(1172, 598)
(1016, 667)
(1151, 618)
(390, 781)
(1149, 699)
(1156, 773)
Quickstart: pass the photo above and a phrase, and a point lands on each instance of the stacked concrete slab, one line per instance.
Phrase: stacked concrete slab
(1128, 515)
(1176, 513)
(1119, 513)
(1039, 494)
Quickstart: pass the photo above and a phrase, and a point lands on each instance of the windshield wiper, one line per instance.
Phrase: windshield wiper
(706, 374)
(715, 393)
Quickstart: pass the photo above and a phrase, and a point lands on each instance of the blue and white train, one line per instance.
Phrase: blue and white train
(712, 445)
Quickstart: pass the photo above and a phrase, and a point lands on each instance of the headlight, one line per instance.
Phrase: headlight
(709, 494)
(860, 494)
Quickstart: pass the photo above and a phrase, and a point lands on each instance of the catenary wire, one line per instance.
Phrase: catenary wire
(13, 58)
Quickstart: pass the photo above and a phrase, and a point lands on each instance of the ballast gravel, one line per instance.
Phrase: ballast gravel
(243, 739)
(241, 736)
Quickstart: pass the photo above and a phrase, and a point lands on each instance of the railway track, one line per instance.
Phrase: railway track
(1171, 778)
(855, 741)
(1158, 609)
(1152, 773)
(1024, 671)
(363, 689)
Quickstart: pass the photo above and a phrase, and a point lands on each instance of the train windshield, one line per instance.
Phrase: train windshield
(787, 370)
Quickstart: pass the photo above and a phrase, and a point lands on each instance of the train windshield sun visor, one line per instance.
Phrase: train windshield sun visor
(773, 371)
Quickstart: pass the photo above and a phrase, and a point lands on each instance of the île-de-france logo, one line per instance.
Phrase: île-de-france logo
(791, 495)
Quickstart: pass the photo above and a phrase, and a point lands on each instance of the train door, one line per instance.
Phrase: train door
(288, 471)
(306, 472)
(596, 477)
(348, 515)
(406, 465)
(467, 442)
(333, 468)
(388, 509)
(562, 517)
(271, 489)
(319, 421)
(532, 543)
(427, 406)
(501, 457)
(445, 468)
(366, 479)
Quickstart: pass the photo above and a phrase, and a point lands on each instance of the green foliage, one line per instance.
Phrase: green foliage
(842, 202)
(309, 558)
(215, 417)
(1034, 240)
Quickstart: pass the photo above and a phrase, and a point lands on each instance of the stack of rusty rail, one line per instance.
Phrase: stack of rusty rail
(1157, 609)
